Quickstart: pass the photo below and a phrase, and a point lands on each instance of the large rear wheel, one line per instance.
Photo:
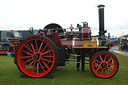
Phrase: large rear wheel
(36, 56)
(104, 64)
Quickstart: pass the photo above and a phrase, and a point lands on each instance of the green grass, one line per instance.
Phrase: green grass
(67, 75)
(118, 45)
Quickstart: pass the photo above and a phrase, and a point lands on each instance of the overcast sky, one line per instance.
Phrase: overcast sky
(23, 14)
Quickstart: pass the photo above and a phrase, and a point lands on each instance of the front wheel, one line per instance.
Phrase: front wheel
(36, 56)
(106, 63)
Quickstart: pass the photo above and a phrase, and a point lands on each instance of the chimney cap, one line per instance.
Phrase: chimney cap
(101, 6)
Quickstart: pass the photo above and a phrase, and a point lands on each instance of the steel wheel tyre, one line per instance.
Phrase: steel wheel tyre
(36, 56)
(104, 64)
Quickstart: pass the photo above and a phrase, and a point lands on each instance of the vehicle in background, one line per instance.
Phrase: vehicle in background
(24, 33)
(124, 43)
(4, 40)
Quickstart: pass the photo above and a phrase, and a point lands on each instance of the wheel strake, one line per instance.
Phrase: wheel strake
(35, 57)
(104, 65)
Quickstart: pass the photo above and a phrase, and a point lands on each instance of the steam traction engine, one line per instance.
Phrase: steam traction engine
(38, 55)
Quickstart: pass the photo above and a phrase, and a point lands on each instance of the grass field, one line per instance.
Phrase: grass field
(67, 75)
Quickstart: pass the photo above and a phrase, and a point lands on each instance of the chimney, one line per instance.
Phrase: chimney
(101, 20)
(108, 35)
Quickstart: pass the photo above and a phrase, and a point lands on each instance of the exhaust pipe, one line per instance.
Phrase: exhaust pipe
(102, 39)
(101, 20)
(108, 35)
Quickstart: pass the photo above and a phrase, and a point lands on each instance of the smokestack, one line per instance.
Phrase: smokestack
(108, 35)
(101, 20)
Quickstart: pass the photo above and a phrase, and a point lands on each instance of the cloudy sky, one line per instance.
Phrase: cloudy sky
(23, 14)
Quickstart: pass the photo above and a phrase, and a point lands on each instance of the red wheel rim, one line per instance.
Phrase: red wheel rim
(35, 57)
(104, 65)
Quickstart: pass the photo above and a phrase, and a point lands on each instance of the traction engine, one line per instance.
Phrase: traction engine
(38, 55)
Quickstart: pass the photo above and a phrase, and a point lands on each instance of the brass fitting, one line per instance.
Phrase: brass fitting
(101, 6)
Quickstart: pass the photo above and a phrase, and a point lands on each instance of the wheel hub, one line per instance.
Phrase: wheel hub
(104, 65)
(36, 56)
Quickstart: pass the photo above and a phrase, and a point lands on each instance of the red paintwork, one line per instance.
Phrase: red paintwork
(42, 34)
(55, 38)
(85, 33)
(4, 52)
(23, 62)
(99, 70)
(69, 42)
(14, 45)
(66, 42)
(63, 42)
